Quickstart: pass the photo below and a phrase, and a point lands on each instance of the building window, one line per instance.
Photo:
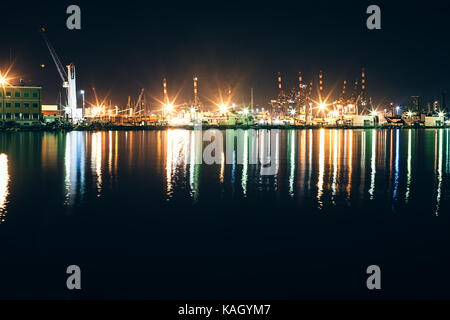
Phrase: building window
(16, 116)
(8, 116)
(35, 94)
(35, 116)
(26, 104)
(17, 104)
(8, 104)
(26, 94)
(17, 94)
(35, 105)
(8, 94)
(26, 116)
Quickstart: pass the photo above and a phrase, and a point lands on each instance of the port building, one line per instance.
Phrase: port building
(21, 104)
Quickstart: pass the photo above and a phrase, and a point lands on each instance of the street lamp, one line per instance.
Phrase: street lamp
(82, 97)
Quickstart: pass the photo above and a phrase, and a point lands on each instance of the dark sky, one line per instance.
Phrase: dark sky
(127, 45)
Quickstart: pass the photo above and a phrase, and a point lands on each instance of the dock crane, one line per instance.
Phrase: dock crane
(68, 81)
(138, 103)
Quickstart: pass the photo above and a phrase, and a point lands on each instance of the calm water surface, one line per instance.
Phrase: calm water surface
(142, 221)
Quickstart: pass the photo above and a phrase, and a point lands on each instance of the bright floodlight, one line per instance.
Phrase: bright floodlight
(168, 107)
(223, 108)
(96, 110)
(82, 91)
(373, 113)
(192, 109)
(322, 106)
(441, 114)
(2, 80)
(292, 111)
(245, 111)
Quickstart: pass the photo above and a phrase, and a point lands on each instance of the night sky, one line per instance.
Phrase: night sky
(128, 45)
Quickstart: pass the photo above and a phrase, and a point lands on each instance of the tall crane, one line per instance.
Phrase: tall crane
(68, 81)
(139, 100)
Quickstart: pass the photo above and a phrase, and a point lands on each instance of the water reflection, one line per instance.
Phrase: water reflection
(409, 173)
(96, 160)
(291, 154)
(373, 165)
(75, 171)
(350, 160)
(315, 168)
(439, 171)
(176, 157)
(396, 164)
(321, 167)
(4, 186)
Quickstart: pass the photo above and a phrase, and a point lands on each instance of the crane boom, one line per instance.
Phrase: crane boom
(139, 99)
(61, 70)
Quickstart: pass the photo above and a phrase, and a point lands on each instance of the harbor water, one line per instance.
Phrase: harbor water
(144, 221)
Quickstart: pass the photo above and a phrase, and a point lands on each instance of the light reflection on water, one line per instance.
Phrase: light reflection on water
(4, 183)
(321, 168)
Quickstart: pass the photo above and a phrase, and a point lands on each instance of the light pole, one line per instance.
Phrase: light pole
(82, 97)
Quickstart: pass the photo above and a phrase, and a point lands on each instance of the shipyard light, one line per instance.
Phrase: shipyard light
(192, 110)
(322, 106)
(292, 112)
(223, 108)
(168, 107)
(409, 114)
(96, 111)
(3, 80)
(441, 114)
(373, 113)
(245, 111)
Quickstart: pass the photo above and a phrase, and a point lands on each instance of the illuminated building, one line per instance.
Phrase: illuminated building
(22, 104)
